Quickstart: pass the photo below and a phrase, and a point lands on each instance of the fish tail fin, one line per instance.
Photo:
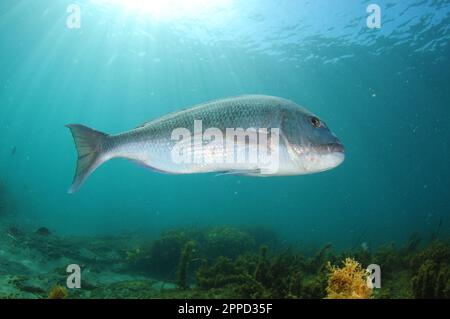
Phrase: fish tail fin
(90, 148)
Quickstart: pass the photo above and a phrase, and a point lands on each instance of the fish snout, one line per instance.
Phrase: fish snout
(327, 156)
(334, 147)
(337, 147)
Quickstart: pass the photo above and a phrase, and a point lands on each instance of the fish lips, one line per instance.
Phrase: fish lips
(333, 154)
(330, 148)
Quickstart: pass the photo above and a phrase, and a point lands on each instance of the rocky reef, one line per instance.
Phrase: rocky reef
(214, 262)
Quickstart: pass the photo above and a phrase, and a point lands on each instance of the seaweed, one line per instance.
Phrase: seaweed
(316, 262)
(218, 262)
(263, 276)
(164, 253)
(262, 236)
(225, 271)
(412, 244)
(348, 281)
(279, 275)
(439, 252)
(161, 257)
(432, 281)
(133, 255)
(226, 241)
(58, 292)
(389, 258)
(432, 272)
(263, 265)
(364, 256)
(184, 263)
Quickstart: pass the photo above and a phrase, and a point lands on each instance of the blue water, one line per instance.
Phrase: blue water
(384, 92)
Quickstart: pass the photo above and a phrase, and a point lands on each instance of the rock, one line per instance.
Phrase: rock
(14, 231)
(43, 231)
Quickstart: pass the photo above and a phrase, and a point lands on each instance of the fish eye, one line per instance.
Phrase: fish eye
(315, 122)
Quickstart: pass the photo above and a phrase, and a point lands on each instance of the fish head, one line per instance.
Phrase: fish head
(312, 146)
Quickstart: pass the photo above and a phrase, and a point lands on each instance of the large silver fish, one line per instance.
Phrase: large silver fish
(306, 145)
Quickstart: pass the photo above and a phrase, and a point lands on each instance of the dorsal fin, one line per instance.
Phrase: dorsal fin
(164, 117)
(144, 124)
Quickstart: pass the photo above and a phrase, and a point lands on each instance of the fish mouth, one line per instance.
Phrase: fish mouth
(330, 148)
(331, 155)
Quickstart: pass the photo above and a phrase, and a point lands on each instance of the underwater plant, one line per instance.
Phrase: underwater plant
(133, 255)
(263, 264)
(227, 241)
(184, 263)
(432, 272)
(225, 271)
(390, 259)
(364, 256)
(279, 274)
(162, 256)
(348, 281)
(438, 252)
(262, 236)
(432, 281)
(58, 292)
(252, 276)
(313, 264)
(412, 243)
(411, 271)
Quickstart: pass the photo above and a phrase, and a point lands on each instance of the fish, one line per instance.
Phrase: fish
(301, 141)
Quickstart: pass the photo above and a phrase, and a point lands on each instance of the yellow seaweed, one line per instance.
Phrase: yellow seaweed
(348, 282)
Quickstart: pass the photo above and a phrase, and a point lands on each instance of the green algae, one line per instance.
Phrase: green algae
(263, 276)
(432, 272)
(184, 264)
